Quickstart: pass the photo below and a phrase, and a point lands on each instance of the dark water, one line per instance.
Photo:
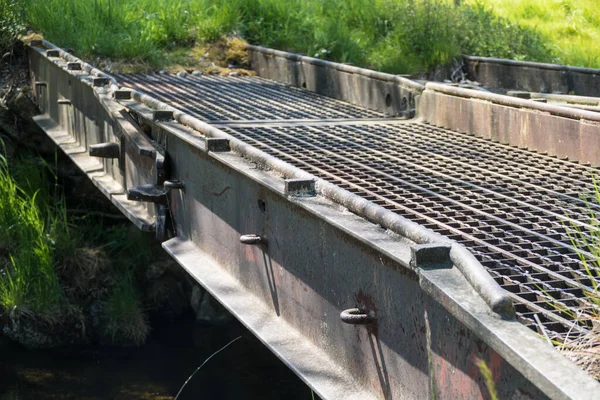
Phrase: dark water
(157, 370)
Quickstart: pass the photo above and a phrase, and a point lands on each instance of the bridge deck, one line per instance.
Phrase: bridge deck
(519, 212)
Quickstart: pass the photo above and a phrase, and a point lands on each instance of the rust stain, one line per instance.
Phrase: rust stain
(479, 343)
(250, 254)
(366, 303)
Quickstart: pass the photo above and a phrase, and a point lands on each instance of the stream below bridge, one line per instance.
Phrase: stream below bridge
(156, 370)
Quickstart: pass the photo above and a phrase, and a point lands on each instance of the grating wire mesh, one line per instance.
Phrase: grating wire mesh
(218, 98)
(524, 215)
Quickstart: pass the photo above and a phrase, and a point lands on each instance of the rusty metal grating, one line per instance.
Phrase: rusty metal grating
(516, 210)
(246, 98)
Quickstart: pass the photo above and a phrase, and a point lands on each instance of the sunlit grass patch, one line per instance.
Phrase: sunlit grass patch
(28, 232)
(571, 27)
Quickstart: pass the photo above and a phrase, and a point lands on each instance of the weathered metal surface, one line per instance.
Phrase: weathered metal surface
(386, 93)
(498, 299)
(580, 102)
(80, 117)
(544, 128)
(265, 228)
(533, 77)
(520, 226)
(354, 155)
(307, 283)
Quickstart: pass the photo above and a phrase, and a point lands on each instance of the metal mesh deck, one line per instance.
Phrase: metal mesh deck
(250, 98)
(522, 214)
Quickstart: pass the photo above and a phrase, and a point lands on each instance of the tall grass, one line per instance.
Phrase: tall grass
(113, 28)
(51, 265)
(398, 36)
(28, 284)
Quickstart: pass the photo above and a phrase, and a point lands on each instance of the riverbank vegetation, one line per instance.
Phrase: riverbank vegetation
(398, 36)
(63, 270)
(64, 276)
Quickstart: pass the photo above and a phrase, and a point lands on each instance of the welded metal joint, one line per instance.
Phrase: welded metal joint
(162, 115)
(217, 145)
(105, 150)
(356, 316)
(52, 53)
(74, 66)
(431, 256)
(252, 239)
(122, 94)
(300, 187)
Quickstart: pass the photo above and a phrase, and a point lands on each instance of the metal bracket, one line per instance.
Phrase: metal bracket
(100, 81)
(74, 66)
(217, 145)
(52, 53)
(153, 193)
(173, 184)
(105, 150)
(431, 256)
(122, 94)
(149, 192)
(300, 187)
(162, 115)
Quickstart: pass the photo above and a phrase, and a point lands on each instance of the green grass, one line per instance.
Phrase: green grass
(398, 36)
(126, 317)
(572, 27)
(11, 22)
(28, 237)
(52, 263)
